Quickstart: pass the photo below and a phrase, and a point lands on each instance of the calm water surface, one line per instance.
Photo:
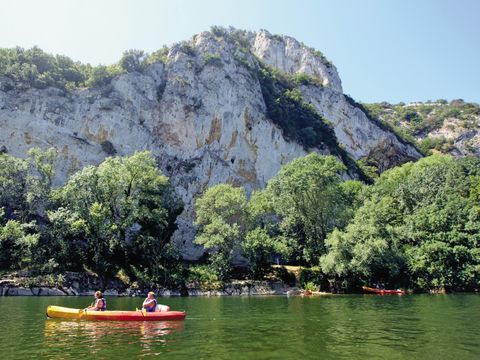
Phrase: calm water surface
(329, 327)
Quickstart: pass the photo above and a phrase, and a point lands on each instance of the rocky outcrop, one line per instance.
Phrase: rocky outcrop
(361, 137)
(463, 140)
(81, 284)
(290, 56)
(201, 113)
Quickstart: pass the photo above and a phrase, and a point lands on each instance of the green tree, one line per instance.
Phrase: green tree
(418, 227)
(367, 250)
(264, 241)
(158, 55)
(40, 178)
(66, 244)
(125, 209)
(308, 197)
(17, 241)
(102, 75)
(13, 180)
(221, 221)
(133, 60)
(260, 248)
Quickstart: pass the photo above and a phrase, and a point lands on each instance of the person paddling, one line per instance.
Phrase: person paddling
(150, 303)
(100, 303)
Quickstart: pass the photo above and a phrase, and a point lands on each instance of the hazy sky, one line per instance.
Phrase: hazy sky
(390, 50)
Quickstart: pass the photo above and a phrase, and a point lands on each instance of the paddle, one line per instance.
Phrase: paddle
(81, 313)
(143, 311)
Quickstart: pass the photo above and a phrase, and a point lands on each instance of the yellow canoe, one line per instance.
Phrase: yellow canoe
(64, 312)
(79, 314)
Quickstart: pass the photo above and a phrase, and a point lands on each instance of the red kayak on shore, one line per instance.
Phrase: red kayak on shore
(370, 290)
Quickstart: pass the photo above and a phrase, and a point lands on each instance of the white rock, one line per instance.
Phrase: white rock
(290, 56)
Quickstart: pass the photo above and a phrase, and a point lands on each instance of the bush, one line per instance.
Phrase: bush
(305, 79)
(187, 48)
(312, 275)
(60, 281)
(310, 287)
(50, 280)
(212, 60)
(204, 277)
(420, 119)
(36, 68)
(219, 31)
(159, 55)
(133, 60)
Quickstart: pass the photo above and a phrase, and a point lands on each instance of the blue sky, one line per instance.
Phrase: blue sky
(390, 50)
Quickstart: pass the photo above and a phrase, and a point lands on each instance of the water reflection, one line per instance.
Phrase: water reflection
(337, 327)
(97, 336)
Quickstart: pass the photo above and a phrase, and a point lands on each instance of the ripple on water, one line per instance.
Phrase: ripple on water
(339, 327)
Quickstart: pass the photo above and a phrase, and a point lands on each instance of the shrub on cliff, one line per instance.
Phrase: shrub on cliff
(36, 68)
(287, 109)
(133, 60)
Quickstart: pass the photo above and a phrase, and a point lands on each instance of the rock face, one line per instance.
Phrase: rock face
(202, 114)
(288, 55)
(25, 284)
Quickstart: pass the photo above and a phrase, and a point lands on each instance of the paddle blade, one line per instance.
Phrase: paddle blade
(81, 314)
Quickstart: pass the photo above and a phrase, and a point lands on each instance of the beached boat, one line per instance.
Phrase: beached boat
(382, 291)
(139, 315)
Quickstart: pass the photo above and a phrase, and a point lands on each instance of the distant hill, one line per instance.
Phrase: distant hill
(440, 126)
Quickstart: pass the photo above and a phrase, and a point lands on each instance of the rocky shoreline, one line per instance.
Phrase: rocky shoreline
(82, 284)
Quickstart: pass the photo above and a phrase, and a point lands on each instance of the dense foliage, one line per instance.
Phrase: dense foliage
(298, 119)
(36, 68)
(286, 108)
(418, 227)
(124, 211)
(221, 219)
(290, 219)
(118, 216)
(311, 199)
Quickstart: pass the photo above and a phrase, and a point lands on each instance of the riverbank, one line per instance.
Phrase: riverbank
(84, 284)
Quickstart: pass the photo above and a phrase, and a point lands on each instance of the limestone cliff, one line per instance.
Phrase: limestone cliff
(201, 113)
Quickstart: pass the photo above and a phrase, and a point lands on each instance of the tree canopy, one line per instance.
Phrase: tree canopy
(418, 227)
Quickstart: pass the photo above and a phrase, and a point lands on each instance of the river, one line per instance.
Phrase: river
(273, 327)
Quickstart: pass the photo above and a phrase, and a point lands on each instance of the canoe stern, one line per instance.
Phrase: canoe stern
(63, 312)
